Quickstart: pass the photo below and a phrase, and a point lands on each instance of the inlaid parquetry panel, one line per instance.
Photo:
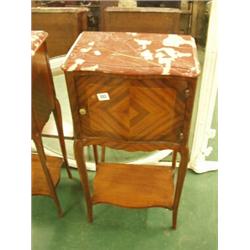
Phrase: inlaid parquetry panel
(148, 109)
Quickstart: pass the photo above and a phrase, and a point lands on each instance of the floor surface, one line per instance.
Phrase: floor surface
(117, 228)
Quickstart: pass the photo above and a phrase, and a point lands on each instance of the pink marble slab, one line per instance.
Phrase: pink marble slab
(37, 38)
(134, 54)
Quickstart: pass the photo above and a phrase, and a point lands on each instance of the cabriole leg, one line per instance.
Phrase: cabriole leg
(180, 180)
(39, 147)
(58, 119)
(79, 156)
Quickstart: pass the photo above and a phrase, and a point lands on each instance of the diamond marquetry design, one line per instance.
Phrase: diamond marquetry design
(136, 109)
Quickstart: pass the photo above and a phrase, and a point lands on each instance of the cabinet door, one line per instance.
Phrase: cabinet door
(104, 102)
(157, 109)
(132, 109)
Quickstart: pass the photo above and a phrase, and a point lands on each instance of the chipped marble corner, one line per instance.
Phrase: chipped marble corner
(72, 67)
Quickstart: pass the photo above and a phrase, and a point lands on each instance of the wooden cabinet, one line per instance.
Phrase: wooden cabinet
(150, 20)
(62, 24)
(45, 169)
(132, 91)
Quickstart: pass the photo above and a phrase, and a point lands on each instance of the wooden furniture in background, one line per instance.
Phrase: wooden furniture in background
(103, 5)
(45, 169)
(132, 91)
(62, 24)
(190, 20)
(154, 20)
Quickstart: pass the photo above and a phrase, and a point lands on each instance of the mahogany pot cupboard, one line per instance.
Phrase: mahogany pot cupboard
(45, 169)
(62, 24)
(132, 91)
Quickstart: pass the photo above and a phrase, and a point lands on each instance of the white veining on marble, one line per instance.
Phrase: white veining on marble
(173, 53)
(90, 68)
(167, 67)
(164, 60)
(79, 61)
(37, 39)
(97, 52)
(134, 53)
(132, 33)
(91, 43)
(167, 63)
(196, 62)
(34, 37)
(147, 55)
(176, 41)
(159, 54)
(72, 47)
(143, 43)
(85, 50)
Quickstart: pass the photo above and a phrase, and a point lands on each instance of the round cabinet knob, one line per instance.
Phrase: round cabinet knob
(187, 93)
(82, 111)
(181, 136)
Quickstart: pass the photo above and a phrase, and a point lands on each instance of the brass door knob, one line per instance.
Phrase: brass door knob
(187, 93)
(82, 111)
(181, 136)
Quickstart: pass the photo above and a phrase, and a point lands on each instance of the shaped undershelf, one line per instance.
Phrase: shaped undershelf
(133, 186)
(39, 182)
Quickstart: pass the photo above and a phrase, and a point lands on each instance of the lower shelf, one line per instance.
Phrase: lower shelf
(39, 182)
(133, 186)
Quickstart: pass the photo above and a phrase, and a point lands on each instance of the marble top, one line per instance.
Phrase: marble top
(37, 38)
(134, 54)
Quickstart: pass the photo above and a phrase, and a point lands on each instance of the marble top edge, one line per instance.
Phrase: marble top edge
(37, 39)
(132, 53)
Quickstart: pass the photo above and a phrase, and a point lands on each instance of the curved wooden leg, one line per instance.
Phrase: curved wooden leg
(174, 159)
(95, 154)
(103, 154)
(39, 147)
(174, 218)
(79, 156)
(180, 180)
(58, 119)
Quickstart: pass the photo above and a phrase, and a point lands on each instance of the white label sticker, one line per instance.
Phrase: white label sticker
(103, 96)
